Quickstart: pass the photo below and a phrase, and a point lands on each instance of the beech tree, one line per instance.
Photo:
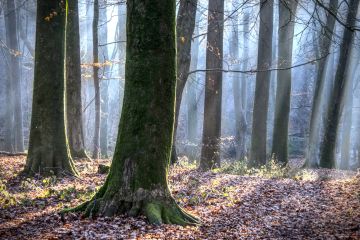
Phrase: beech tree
(287, 11)
(137, 182)
(73, 83)
(333, 114)
(261, 102)
(48, 150)
(184, 28)
(210, 151)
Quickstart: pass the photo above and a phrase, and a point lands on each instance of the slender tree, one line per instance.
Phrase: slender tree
(261, 100)
(287, 11)
(104, 92)
(73, 83)
(327, 154)
(48, 149)
(210, 151)
(325, 38)
(96, 67)
(12, 42)
(137, 182)
(184, 28)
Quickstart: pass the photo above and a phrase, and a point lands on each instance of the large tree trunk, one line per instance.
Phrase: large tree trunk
(210, 152)
(48, 149)
(14, 75)
(184, 29)
(137, 182)
(261, 98)
(104, 56)
(328, 147)
(324, 49)
(74, 122)
(287, 11)
(96, 67)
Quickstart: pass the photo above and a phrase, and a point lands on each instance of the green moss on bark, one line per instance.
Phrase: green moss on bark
(137, 182)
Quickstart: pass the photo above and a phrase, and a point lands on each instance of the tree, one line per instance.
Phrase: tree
(104, 56)
(261, 100)
(12, 42)
(137, 181)
(333, 114)
(96, 139)
(184, 28)
(210, 151)
(73, 83)
(325, 38)
(48, 149)
(287, 11)
(240, 88)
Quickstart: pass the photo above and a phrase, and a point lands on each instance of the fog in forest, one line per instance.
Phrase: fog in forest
(240, 43)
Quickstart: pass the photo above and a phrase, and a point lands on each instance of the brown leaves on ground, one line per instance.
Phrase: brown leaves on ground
(230, 206)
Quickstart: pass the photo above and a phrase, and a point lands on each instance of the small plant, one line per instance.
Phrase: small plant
(6, 198)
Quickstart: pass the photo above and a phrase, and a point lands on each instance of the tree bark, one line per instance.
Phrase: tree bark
(96, 139)
(327, 155)
(287, 12)
(137, 181)
(74, 118)
(325, 45)
(12, 42)
(48, 149)
(184, 29)
(261, 99)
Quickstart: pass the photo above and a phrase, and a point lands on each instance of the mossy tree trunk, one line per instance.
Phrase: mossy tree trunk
(184, 29)
(210, 151)
(74, 118)
(137, 182)
(48, 148)
(325, 38)
(328, 146)
(261, 98)
(12, 42)
(96, 67)
(287, 11)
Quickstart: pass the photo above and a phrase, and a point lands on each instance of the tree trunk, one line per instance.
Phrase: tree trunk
(287, 11)
(137, 182)
(261, 98)
(14, 75)
(210, 152)
(73, 83)
(184, 29)
(48, 149)
(96, 139)
(325, 45)
(192, 105)
(327, 155)
(104, 56)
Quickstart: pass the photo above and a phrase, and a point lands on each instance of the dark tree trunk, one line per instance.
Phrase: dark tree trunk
(287, 11)
(104, 56)
(210, 152)
(261, 98)
(73, 83)
(48, 149)
(96, 67)
(324, 49)
(184, 29)
(14, 75)
(328, 146)
(137, 182)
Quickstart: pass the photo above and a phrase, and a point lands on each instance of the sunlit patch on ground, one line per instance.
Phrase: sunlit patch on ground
(321, 203)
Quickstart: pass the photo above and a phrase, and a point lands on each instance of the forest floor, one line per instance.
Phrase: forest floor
(319, 204)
